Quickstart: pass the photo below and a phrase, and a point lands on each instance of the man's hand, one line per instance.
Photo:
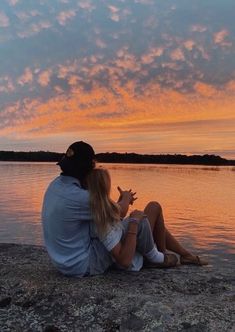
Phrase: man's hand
(127, 194)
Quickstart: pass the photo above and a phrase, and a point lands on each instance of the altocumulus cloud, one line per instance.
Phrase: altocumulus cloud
(65, 64)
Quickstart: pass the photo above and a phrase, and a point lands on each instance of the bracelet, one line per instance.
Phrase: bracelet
(130, 232)
(134, 220)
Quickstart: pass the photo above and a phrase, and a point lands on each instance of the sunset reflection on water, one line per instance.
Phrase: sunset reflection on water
(198, 201)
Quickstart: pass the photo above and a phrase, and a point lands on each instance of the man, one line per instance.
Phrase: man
(71, 242)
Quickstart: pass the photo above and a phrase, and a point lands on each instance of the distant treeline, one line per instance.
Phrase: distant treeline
(163, 159)
(131, 158)
(30, 156)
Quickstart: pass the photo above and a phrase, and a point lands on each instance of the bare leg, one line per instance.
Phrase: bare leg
(155, 217)
(173, 245)
(162, 237)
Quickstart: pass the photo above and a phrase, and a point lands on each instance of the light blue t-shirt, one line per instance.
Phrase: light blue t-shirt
(69, 233)
(66, 218)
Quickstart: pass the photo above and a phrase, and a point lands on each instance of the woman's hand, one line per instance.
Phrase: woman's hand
(138, 215)
(128, 195)
(126, 198)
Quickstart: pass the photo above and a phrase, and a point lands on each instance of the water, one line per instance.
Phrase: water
(198, 201)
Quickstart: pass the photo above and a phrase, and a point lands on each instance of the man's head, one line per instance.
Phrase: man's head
(78, 160)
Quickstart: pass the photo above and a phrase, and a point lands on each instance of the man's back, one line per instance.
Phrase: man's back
(66, 221)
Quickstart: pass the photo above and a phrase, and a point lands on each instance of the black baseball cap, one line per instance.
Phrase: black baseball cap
(78, 160)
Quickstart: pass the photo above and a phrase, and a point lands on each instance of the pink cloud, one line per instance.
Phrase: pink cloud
(121, 52)
(44, 77)
(34, 29)
(65, 16)
(127, 61)
(220, 38)
(73, 80)
(4, 20)
(40, 26)
(6, 84)
(205, 90)
(115, 17)
(86, 5)
(115, 13)
(65, 70)
(147, 59)
(231, 85)
(198, 28)
(157, 51)
(203, 52)
(170, 65)
(13, 2)
(96, 69)
(26, 77)
(189, 44)
(93, 59)
(113, 9)
(25, 16)
(3, 88)
(152, 54)
(177, 55)
(100, 43)
(58, 89)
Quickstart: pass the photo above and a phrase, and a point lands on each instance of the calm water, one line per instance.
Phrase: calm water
(198, 201)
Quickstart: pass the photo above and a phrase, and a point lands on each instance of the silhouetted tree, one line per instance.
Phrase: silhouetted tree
(114, 157)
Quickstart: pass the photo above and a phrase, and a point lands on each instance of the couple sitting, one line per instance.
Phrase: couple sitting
(85, 232)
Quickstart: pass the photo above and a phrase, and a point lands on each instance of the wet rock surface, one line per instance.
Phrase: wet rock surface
(35, 297)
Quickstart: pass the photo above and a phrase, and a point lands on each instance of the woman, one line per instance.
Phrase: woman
(135, 238)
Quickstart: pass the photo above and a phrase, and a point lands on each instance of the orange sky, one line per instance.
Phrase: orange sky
(122, 84)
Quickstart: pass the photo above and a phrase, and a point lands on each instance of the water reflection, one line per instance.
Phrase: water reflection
(198, 201)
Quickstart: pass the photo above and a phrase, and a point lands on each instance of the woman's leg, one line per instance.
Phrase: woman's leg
(155, 217)
(162, 237)
(145, 245)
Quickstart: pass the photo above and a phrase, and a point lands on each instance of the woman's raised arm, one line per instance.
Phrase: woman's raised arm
(126, 198)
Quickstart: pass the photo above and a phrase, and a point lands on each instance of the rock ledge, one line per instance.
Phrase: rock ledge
(35, 297)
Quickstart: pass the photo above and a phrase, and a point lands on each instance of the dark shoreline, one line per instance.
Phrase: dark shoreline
(35, 297)
(124, 158)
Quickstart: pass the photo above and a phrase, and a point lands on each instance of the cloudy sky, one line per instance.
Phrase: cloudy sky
(147, 76)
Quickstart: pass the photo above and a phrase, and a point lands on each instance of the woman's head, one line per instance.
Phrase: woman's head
(105, 212)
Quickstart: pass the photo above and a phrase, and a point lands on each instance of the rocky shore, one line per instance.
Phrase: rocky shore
(35, 297)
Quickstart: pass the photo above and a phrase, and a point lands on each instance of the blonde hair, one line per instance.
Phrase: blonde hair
(104, 210)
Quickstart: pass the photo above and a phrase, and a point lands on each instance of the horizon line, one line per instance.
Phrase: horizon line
(140, 154)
